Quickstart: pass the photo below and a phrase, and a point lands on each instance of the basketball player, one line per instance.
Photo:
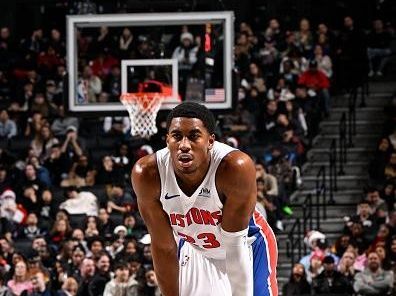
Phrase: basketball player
(203, 193)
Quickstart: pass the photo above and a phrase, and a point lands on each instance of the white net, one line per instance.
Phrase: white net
(142, 109)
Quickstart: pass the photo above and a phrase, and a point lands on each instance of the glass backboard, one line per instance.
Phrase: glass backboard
(187, 54)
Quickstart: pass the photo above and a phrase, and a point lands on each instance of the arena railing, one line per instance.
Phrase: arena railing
(332, 170)
(294, 241)
(342, 142)
(351, 124)
(321, 194)
(300, 227)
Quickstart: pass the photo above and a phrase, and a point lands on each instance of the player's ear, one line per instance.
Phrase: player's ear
(212, 138)
(167, 140)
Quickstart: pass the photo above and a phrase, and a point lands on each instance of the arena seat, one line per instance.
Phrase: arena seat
(19, 146)
(77, 220)
(23, 246)
(117, 218)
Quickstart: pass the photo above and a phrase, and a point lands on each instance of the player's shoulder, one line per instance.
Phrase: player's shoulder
(146, 167)
(235, 160)
(235, 165)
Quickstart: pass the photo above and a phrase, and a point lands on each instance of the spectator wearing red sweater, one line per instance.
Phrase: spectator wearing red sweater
(316, 81)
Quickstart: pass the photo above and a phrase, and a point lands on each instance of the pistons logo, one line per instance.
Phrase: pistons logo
(205, 192)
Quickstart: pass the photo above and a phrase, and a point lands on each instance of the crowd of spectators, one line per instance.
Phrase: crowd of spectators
(69, 220)
(362, 261)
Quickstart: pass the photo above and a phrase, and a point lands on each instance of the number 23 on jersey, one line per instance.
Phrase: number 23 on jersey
(206, 240)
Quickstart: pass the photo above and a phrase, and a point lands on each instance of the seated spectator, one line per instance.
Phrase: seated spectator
(73, 146)
(89, 85)
(359, 237)
(69, 287)
(40, 104)
(30, 179)
(95, 246)
(378, 206)
(266, 122)
(5, 179)
(271, 206)
(81, 173)
(83, 202)
(11, 213)
(3, 287)
(34, 124)
(133, 229)
(300, 63)
(87, 272)
(254, 79)
(57, 164)
(373, 280)
(279, 166)
(43, 142)
(382, 237)
(120, 200)
(130, 249)
(8, 128)
(91, 226)
(325, 38)
(47, 209)
(315, 266)
(151, 284)
(318, 82)
(39, 279)
(102, 274)
(122, 158)
(31, 229)
(79, 237)
(364, 216)
(346, 266)
(289, 75)
(20, 280)
(78, 255)
(62, 124)
(378, 48)
(392, 222)
(117, 125)
(60, 231)
(186, 55)
(390, 168)
(304, 37)
(270, 182)
(324, 61)
(341, 245)
(330, 281)
(388, 194)
(112, 83)
(108, 173)
(106, 225)
(123, 283)
(42, 172)
(116, 246)
(260, 201)
(383, 254)
(297, 284)
(127, 44)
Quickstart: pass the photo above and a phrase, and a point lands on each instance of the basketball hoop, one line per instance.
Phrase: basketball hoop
(142, 108)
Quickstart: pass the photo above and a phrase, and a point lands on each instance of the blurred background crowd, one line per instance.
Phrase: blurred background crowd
(69, 218)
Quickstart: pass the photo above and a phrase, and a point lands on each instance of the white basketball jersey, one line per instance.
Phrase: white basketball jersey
(196, 218)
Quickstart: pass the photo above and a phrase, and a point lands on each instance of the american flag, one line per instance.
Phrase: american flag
(214, 95)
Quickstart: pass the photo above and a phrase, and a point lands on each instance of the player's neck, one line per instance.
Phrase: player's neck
(188, 183)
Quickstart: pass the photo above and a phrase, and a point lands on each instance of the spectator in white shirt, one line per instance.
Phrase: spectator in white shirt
(8, 128)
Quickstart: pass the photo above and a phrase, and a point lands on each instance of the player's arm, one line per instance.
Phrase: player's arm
(236, 179)
(147, 185)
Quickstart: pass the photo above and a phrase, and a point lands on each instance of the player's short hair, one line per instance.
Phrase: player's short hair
(193, 110)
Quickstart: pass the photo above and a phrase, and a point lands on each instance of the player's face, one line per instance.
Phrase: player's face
(189, 143)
